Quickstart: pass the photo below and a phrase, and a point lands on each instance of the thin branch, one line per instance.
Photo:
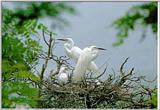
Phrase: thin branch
(122, 66)
(44, 38)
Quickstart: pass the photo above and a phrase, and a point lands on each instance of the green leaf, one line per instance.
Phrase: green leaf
(26, 74)
(142, 15)
(154, 98)
(26, 93)
(18, 66)
(118, 43)
(6, 66)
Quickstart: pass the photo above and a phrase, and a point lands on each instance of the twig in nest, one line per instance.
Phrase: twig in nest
(102, 73)
(122, 66)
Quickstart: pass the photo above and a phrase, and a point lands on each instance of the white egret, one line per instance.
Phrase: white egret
(87, 56)
(74, 52)
(63, 76)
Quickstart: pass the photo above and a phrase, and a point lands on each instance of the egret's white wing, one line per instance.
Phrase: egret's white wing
(80, 69)
(93, 67)
(75, 53)
(81, 66)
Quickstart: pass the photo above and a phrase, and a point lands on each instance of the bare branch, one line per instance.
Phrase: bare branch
(44, 38)
(122, 66)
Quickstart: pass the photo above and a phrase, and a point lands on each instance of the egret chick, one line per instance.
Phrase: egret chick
(63, 75)
(88, 55)
(74, 52)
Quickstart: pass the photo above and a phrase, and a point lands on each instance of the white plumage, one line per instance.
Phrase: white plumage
(97, 82)
(63, 76)
(87, 56)
(74, 52)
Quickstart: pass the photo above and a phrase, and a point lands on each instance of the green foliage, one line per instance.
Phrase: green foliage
(46, 31)
(18, 92)
(26, 74)
(144, 15)
(28, 28)
(14, 83)
(21, 48)
(16, 40)
(154, 98)
(16, 51)
(25, 18)
(19, 26)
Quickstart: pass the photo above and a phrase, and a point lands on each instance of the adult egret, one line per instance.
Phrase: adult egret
(87, 56)
(63, 76)
(74, 52)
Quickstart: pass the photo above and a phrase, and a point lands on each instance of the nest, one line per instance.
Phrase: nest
(123, 90)
(119, 90)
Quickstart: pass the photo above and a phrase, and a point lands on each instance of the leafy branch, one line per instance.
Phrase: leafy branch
(145, 15)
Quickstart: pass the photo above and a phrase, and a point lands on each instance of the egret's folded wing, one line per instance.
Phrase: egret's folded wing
(76, 51)
(81, 67)
(93, 68)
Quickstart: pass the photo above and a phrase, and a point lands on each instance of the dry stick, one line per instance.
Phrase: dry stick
(121, 68)
(88, 102)
(107, 93)
(105, 63)
(124, 77)
(44, 38)
(44, 66)
(48, 56)
(59, 62)
(102, 73)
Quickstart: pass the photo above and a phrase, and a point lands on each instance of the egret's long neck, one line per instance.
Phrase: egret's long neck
(68, 46)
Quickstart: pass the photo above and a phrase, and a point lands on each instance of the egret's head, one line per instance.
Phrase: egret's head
(67, 41)
(95, 51)
(95, 48)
